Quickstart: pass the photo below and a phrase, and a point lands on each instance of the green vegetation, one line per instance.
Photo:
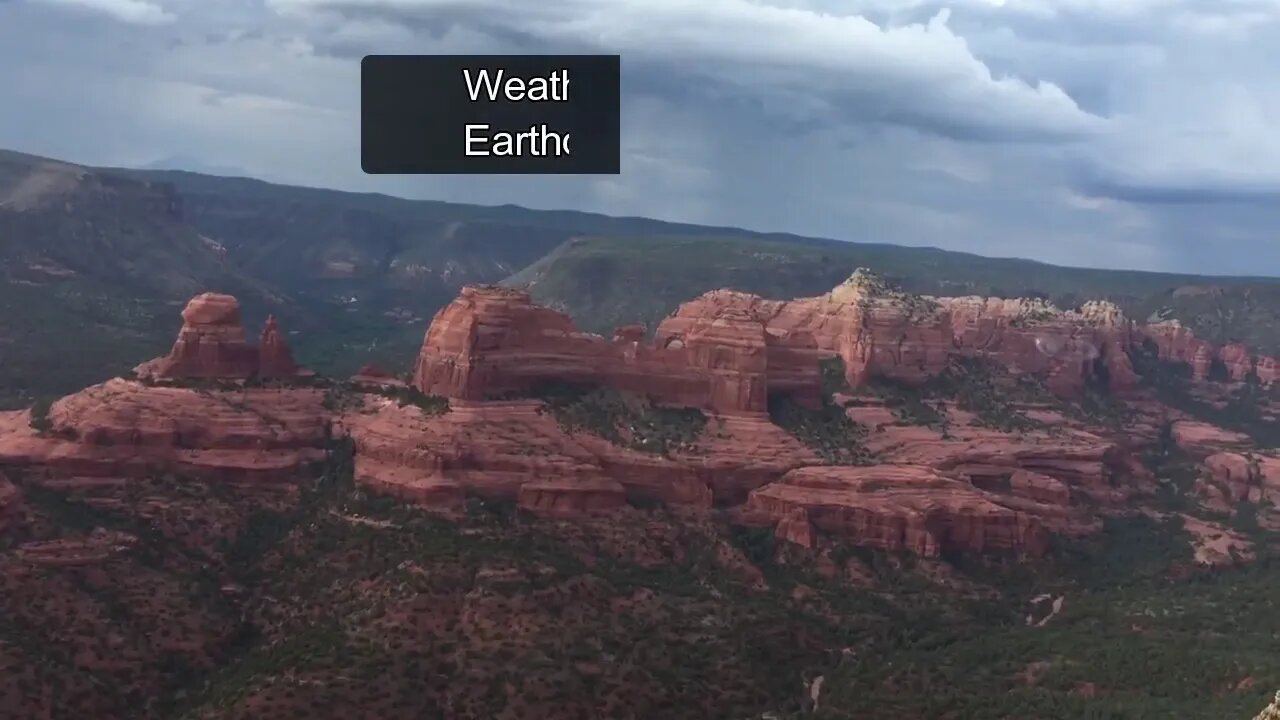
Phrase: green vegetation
(615, 276)
(910, 404)
(341, 396)
(1174, 470)
(1131, 641)
(828, 430)
(1221, 312)
(409, 395)
(1242, 409)
(981, 387)
(354, 604)
(832, 376)
(40, 421)
(357, 277)
(977, 385)
(624, 419)
(875, 287)
(1034, 313)
(1272, 711)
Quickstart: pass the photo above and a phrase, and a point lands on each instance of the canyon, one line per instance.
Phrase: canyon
(480, 417)
(606, 488)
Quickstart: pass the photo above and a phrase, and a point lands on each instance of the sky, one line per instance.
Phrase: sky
(1100, 133)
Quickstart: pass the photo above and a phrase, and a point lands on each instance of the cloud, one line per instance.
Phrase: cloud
(138, 12)
(1122, 134)
(835, 67)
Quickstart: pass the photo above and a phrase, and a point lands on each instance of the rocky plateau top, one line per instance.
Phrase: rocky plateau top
(476, 418)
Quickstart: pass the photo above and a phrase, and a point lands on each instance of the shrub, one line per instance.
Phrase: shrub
(829, 431)
(40, 415)
(624, 419)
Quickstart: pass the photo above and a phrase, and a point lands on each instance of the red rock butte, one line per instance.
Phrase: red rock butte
(727, 351)
(493, 340)
(212, 344)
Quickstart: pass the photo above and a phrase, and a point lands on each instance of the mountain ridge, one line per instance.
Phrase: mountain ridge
(354, 273)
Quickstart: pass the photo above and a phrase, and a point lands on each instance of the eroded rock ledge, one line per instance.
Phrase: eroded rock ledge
(470, 422)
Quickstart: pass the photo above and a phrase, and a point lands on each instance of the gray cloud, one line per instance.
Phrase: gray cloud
(837, 67)
(1123, 133)
(140, 12)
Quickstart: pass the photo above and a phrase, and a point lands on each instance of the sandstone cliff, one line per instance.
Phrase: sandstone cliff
(898, 507)
(492, 341)
(124, 428)
(212, 344)
(963, 485)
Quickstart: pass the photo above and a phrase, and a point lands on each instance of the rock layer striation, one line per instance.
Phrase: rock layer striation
(212, 344)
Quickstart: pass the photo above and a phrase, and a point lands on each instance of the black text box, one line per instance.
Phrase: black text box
(416, 109)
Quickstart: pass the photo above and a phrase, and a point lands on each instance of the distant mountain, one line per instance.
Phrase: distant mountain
(94, 268)
(110, 254)
(403, 258)
(607, 281)
(191, 164)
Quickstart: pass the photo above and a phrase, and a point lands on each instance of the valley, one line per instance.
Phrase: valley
(357, 276)
(417, 460)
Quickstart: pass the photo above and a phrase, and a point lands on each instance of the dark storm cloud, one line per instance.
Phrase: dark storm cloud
(843, 68)
(1193, 196)
(1121, 133)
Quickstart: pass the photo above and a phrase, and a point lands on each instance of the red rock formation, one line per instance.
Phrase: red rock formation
(899, 508)
(890, 334)
(275, 359)
(1268, 369)
(513, 450)
(629, 334)
(879, 331)
(492, 341)
(492, 450)
(1241, 478)
(1176, 343)
(124, 428)
(371, 374)
(731, 349)
(726, 351)
(874, 329)
(93, 549)
(1202, 439)
(791, 355)
(1238, 361)
(1069, 349)
(972, 489)
(1039, 487)
(796, 528)
(212, 344)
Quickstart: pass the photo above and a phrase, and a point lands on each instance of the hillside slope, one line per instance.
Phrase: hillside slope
(93, 269)
(382, 249)
(355, 277)
(405, 258)
(986, 542)
(604, 281)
